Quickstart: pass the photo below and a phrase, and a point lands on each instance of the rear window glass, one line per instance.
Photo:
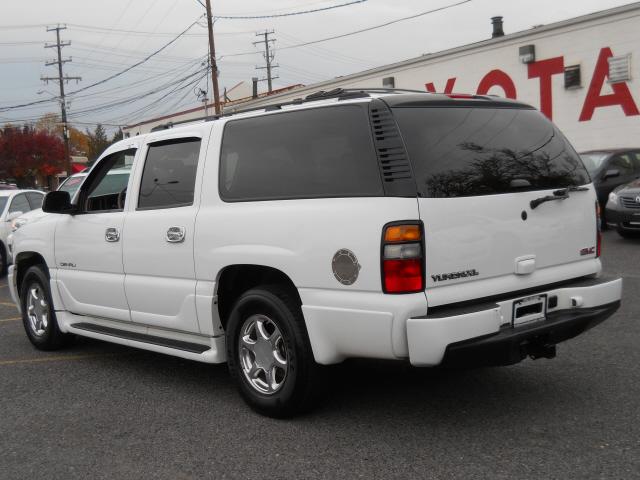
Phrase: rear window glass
(458, 152)
(323, 152)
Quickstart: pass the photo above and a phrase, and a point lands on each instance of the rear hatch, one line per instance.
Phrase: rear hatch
(478, 167)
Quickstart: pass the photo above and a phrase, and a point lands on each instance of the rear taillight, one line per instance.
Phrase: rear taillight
(598, 230)
(403, 258)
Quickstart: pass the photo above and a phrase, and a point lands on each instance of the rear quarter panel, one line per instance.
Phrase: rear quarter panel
(298, 237)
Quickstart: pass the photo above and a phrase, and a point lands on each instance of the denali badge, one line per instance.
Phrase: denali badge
(588, 251)
(68, 264)
(452, 276)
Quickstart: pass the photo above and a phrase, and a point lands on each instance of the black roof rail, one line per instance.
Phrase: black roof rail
(339, 93)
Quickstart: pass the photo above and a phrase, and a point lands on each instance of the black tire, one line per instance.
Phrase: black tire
(627, 234)
(3, 259)
(297, 392)
(49, 337)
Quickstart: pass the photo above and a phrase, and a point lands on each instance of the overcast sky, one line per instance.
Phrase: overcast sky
(108, 36)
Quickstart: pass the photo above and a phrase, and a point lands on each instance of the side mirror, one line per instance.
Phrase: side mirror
(13, 215)
(57, 202)
(611, 173)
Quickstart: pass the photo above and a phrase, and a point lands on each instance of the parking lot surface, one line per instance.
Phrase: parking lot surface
(97, 410)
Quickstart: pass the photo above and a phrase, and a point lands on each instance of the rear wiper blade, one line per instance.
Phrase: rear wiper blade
(566, 190)
(560, 194)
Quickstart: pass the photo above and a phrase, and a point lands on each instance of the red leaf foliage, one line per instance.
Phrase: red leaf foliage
(26, 152)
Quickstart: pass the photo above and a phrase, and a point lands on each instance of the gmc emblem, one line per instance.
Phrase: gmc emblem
(588, 251)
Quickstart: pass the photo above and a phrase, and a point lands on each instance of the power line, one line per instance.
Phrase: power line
(289, 14)
(368, 29)
(111, 77)
(16, 44)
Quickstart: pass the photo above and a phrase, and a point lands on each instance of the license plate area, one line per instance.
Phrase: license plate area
(529, 309)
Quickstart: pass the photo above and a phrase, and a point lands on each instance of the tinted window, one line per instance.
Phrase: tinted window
(324, 152)
(622, 163)
(114, 182)
(635, 159)
(108, 182)
(3, 203)
(35, 199)
(457, 152)
(19, 204)
(169, 175)
(593, 161)
(72, 184)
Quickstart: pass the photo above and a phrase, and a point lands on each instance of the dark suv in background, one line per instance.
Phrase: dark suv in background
(611, 168)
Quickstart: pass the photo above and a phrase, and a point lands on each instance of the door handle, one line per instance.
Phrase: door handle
(112, 234)
(175, 234)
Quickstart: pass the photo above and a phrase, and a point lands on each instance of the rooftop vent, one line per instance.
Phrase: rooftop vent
(497, 27)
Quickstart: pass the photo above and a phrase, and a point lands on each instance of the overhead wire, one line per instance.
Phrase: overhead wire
(362, 30)
(111, 77)
(288, 14)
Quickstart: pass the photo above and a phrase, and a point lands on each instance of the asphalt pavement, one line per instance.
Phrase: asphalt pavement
(98, 410)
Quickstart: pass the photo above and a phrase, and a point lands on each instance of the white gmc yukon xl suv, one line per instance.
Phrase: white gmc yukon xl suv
(435, 229)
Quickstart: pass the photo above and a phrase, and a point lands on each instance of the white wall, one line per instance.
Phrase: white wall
(578, 42)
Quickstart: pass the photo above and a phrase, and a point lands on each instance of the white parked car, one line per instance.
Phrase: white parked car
(433, 229)
(13, 203)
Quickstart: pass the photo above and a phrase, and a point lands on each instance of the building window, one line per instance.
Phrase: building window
(619, 69)
(572, 77)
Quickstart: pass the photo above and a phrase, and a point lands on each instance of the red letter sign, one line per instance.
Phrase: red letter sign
(497, 78)
(620, 96)
(447, 89)
(544, 70)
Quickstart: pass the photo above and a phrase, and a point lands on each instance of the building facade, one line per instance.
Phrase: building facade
(584, 73)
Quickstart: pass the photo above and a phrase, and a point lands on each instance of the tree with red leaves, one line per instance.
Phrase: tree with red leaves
(26, 153)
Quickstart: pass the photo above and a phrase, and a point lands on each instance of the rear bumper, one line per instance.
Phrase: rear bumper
(511, 345)
(482, 333)
(346, 324)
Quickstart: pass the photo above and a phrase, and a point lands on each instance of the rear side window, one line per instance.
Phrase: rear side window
(169, 175)
(622, 163)
(459, 152)
(35, 199)
(19, 204)
(322, 152)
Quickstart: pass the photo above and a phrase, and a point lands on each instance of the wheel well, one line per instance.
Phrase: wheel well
(237, 279)
(26, 260)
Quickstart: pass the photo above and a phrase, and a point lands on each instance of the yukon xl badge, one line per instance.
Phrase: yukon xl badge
(454, 275)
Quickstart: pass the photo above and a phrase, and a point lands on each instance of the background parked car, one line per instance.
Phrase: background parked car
(610, 169)
(623, 209)
(14, 203)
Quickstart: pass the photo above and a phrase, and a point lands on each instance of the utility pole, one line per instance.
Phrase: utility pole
(212, 54)
(268, 56)
(61, 79)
